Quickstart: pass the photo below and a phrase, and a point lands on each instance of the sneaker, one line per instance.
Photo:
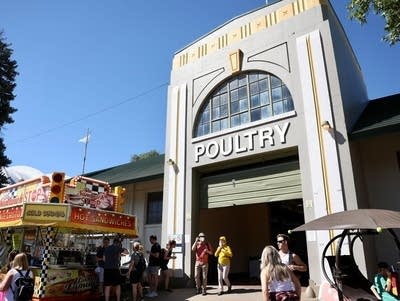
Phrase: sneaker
(168, 290)
(219, 293)
(151, 295)
(204, 293)
(229, 288)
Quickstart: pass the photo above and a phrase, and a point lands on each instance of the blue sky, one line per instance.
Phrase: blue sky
(105, 66)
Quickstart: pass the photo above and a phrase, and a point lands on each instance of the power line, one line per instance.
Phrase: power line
(105, 109)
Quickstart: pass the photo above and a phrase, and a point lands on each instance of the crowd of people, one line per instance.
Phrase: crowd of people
(278, 267)
(140, 270)
(279, 270)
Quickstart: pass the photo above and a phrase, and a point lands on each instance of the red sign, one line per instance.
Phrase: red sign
(35, 190)
(96, 218)
(10, 214)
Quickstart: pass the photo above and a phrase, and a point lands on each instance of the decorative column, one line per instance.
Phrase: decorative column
(45, 261)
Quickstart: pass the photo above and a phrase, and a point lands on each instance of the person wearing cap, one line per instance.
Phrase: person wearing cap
(202, 249)
(224, 254)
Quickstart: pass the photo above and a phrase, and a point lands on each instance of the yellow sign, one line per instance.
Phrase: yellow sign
(17, 241)
(45, 213)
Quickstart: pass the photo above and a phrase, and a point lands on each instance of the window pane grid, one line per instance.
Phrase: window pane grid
(154, 207)
(245, 98)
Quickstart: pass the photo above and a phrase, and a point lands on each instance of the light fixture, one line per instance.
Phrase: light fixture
(171, 162)
(326, 125)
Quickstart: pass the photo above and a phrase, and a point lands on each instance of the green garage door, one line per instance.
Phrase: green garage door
(272, 183)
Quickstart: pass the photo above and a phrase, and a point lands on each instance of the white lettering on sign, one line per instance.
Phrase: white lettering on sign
(239, 144)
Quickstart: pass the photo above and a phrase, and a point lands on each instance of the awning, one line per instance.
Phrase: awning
(74, 218)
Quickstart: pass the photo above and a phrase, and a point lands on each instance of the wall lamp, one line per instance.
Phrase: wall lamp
(326, 125)
(171, 162)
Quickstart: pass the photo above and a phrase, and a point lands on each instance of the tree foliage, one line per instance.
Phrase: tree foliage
(150, 154)
(388, 9)
(8, 72)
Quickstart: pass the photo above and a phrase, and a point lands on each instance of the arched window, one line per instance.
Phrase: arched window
(245, 98)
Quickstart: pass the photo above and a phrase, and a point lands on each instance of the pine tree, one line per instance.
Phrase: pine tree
(8, 72)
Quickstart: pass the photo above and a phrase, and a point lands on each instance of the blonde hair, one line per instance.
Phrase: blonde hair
(271, 261)
(136, 246)
(21, 261)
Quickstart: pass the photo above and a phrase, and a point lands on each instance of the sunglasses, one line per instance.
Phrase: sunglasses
(280, 241)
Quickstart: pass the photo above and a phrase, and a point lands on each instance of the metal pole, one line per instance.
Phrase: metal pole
(338, 271)
(84, 156)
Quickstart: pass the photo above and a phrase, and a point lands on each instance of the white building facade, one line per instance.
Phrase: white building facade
(256, 140)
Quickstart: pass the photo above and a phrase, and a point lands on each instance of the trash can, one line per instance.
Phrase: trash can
(254, 267)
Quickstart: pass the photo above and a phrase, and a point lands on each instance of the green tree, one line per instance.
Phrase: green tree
(150, 154)
(388, 9)
(8, 72)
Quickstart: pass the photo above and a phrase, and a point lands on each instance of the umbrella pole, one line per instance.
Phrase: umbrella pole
(338, 272)
(331, 282)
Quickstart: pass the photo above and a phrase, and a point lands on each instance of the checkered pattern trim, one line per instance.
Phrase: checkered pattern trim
(9, 236)
(45, 262)
(13, 192)
(65, 249)
(94, 187)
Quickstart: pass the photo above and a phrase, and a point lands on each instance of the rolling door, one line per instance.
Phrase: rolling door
(257, 185)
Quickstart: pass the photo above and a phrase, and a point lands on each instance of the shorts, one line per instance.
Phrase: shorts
(135, 277)
(163, 268)
(100, 273)
(153, 270)
(112, 277)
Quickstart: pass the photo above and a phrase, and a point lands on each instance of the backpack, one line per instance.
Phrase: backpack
(161, 258)
(23, 287)
(141, 265)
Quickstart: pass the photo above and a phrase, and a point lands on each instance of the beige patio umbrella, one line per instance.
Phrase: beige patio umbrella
(375, 219)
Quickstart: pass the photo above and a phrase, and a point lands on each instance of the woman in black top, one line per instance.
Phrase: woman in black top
(166, 255)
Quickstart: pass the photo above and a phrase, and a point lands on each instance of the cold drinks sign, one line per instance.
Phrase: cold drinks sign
(242, 143)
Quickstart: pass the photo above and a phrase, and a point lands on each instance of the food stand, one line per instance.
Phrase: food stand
(59, 222)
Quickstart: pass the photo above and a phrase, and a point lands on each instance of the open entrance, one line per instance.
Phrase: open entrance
(249, 228)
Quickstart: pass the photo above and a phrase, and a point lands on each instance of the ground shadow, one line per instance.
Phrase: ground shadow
(245, 290)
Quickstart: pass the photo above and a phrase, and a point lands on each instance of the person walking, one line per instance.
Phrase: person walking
(135, 272)
(166, 255)
(292, 260)
(154, 266)
(224, 254)
(202, 249)
(278, 282)
(19, 267)
(100, 264)
(112, 275)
